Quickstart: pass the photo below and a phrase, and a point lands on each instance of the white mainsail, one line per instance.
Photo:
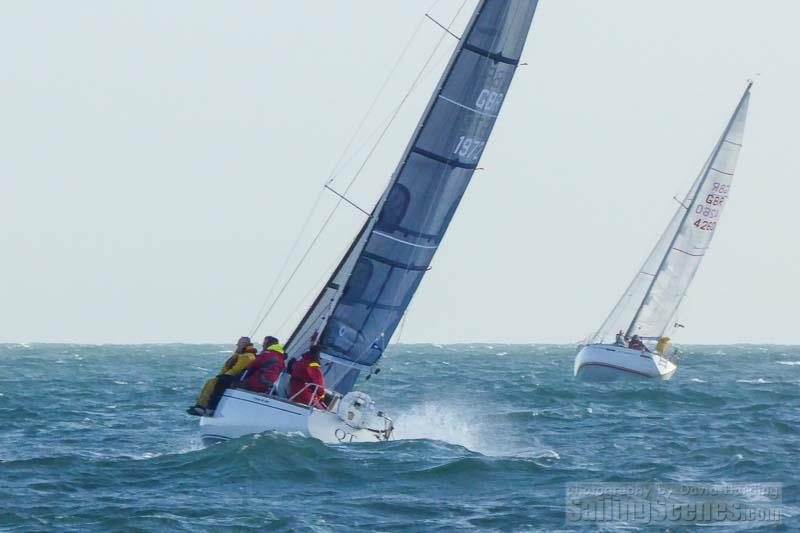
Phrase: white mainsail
(649, 304)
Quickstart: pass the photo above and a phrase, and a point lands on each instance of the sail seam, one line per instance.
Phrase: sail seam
(397, 264)
(343, 362)
(495, 57)
(373, 305)
(382, 234)
(476, 111)
(733, 143)
(452, 162)
(687, 253)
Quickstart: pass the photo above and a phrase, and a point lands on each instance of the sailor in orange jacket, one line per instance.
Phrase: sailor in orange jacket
(306, 371)
(233, 368)
(264, 371)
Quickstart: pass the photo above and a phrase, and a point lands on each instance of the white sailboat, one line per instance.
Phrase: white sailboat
(356, 313)
(647, 308)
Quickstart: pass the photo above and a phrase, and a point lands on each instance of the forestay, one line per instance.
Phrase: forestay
(648, 306)
(357, 312)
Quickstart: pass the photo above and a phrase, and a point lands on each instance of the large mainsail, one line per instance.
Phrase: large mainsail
(355, 315)
(649, 304)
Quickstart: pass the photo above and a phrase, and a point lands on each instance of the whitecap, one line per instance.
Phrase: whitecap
(145, 455)
(757, 381)
(501, 353)
(698, 380)
(439, 422)
(121, 382)
(789, 363)
(534, 453)
(551, 454)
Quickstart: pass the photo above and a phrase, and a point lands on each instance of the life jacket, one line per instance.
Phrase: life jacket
(304, 371)
(264, 371)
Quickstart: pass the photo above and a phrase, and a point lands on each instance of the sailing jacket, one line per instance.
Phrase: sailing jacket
(237, 363)
(265, 369)
(307, 370)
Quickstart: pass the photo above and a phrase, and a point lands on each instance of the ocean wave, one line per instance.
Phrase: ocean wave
(483, 442)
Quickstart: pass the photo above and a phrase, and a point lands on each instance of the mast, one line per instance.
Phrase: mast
(699, 186)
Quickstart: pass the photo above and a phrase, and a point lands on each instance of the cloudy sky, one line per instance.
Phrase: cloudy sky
(159, 159)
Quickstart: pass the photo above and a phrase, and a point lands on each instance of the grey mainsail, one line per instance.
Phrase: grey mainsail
(358, 310)
(648, 306)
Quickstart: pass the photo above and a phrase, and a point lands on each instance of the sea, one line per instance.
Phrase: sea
(489, 438)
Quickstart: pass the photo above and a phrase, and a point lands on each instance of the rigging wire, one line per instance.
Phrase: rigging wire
(285, 264)
(361, 167)
(314, 287)
(332, 176)
(430, 208)
(424, 71)
(336, 166)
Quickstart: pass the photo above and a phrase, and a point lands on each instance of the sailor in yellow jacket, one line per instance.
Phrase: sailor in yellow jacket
(231, 371)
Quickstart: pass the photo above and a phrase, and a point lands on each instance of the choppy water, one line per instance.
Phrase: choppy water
(95, 438)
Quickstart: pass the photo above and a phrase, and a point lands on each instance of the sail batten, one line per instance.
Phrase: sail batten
(387, 261)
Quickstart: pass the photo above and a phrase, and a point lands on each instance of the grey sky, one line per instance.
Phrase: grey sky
(159, 158)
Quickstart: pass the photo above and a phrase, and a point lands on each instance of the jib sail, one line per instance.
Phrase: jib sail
(649, 305)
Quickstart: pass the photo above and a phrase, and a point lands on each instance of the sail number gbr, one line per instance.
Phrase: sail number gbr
(489, 101)
(716, 198)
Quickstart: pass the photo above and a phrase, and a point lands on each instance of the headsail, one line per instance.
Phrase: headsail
(649, 305)
(357, 312)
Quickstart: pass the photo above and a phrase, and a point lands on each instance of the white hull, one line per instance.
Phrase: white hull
(604, 362)
(243, 412)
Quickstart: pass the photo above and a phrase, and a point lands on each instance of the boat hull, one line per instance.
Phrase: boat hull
(603, 362)
(243, 412)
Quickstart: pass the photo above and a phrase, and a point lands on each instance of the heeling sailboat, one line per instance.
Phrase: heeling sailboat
(356, 313)
(648, 306)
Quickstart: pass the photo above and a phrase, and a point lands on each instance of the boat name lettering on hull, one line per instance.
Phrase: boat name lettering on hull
(343, 436)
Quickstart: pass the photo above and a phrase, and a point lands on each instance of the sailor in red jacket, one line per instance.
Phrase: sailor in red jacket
(264, 371)
(306, 371)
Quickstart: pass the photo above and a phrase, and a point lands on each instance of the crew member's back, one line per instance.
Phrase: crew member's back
(307, 384)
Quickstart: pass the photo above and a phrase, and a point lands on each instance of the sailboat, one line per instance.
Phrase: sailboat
(356, 313)
(645, 314)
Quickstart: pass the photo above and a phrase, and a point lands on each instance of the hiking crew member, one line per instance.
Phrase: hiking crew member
(263, 372)
(230, 373)
(637, 344)
(620, 340)
(306, 371)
